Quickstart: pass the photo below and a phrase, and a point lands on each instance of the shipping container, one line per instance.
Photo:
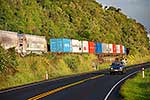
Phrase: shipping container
(124, 50)
(8, 39)
(67, 45)
(35, 44)
(105, 48)
(110, 48)
(98, 47)
(60, 45)
(76, 46)
(114, 48)
(91, 47)
(117, 48)
(23, 43)
(85, 47)
(121, 49)
(31, 44)
(53, 45)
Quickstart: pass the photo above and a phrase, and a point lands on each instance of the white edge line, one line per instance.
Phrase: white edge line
(118, 83)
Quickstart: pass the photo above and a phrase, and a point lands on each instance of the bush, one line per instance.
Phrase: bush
(72, 62)
(7, 60)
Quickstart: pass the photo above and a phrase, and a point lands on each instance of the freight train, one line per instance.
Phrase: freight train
(25, 44)
(64, 45)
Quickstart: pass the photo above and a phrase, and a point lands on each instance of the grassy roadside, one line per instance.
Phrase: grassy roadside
(137, 88)
(33, 68)
(137, 59)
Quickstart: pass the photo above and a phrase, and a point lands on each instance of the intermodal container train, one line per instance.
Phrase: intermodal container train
(25, 43)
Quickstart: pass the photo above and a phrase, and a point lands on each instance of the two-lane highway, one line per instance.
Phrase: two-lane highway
(91, 86)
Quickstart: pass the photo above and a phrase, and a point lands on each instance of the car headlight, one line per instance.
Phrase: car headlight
(121, 68)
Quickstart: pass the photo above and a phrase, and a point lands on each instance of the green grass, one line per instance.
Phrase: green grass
(137, 88)
(103, 66)
(137, 59)
(33, 68)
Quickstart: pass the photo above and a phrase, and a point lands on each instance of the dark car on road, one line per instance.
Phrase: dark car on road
(117, 67)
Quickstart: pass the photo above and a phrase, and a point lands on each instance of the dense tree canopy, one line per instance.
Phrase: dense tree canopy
(79, 19)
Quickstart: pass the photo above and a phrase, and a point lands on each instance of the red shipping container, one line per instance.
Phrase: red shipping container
(121, 49)
(114, 48)
(91, 47)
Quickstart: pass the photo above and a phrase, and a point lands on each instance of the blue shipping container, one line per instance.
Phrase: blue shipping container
(125, 50)
(66, 45)
(60, 45)
(53, 45)
(98, 47)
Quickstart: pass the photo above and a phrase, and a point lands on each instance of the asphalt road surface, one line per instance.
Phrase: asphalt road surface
(90, 86)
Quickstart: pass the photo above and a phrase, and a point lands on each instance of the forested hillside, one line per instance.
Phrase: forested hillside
(78, 19)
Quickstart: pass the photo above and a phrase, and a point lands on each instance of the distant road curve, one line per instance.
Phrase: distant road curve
(90, 86)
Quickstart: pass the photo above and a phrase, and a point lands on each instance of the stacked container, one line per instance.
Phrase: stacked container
(98, 47)
(91, 47)
(60, 45)
(85, 47)
(76, 46)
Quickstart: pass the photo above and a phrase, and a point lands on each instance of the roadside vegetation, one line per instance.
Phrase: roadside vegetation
(8, 61)
(137, 88)
(76, 19)
(137, 59)
(33, 68)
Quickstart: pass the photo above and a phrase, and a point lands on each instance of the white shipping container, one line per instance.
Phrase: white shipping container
(36, 43)
(117, 48)
(110, 48)
(85, 47)
(105, 48)
(76, 46)
(8, 39)
(123, 49)
(35, 46)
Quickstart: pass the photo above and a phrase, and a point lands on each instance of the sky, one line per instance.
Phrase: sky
(136, 9)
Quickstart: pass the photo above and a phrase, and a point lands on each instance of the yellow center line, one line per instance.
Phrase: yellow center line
(62, 88)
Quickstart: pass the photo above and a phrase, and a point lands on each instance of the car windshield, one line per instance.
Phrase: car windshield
(115, 64)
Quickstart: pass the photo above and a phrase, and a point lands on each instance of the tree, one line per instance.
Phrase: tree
(111, 8)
